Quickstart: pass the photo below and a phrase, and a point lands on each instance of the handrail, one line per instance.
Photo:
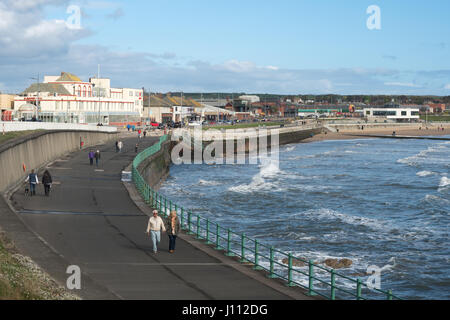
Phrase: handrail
(247, 249)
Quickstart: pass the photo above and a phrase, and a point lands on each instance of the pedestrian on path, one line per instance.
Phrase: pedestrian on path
(120, 145)
(136, 148)
(117, 146)
(145, 133)
(33, 179)
(91, 157)
(173, 228)
(97, 157)
(47, 182)
(154, 228)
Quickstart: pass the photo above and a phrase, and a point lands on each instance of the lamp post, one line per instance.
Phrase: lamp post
(37, 96)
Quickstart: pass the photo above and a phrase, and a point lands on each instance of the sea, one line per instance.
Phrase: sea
(382, 203)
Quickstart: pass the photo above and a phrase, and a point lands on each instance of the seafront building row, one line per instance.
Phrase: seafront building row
(68, 99)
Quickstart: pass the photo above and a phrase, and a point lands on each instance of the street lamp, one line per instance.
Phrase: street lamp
(37, 96)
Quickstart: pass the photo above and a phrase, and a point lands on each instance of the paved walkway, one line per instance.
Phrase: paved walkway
(90, 221)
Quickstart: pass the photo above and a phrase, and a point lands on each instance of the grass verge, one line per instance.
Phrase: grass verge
(15, 134)
(22, 279)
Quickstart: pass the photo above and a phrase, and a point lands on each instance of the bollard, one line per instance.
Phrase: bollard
(389, 295)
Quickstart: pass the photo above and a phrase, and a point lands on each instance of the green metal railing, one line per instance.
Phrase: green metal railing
(276, 263)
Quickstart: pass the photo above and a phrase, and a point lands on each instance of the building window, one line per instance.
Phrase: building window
(90, 91)
(84, 91)
(79, 91)
(403, 113)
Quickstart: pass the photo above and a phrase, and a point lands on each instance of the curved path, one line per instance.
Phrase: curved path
(90, 221)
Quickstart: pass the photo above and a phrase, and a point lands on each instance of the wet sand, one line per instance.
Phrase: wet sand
(400, 131)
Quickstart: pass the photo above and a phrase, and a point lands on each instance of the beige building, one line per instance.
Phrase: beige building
(66, 98)
(6, 106)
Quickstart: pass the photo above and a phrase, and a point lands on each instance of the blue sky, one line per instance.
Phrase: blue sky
(284, 46)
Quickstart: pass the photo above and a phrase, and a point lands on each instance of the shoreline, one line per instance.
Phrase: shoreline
(400, 131)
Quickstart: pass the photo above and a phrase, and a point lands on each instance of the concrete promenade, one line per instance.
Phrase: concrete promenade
(90, 220)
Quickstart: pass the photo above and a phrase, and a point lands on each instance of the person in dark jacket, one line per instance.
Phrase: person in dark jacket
(173, 228)
(97, 157)
(47, 182)
(91, 157)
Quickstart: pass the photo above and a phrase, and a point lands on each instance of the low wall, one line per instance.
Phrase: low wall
(36, 150)
(155, 168)
(28, 125)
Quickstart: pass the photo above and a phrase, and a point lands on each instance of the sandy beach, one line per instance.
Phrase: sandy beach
(413, 130)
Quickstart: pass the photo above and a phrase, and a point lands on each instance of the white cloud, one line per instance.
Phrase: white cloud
(447, 86)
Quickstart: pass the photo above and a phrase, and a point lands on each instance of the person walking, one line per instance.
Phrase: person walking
(91, 157)
(173, 228)
(97, 157)
(117, 146)
(145, 133)
(33, 179)
(136, 147)
(47, 182)
(120, 145)
(154, 228)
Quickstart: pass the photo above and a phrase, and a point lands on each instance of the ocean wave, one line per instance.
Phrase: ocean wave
(424, 173)
(444, 182)
(329, 214)
(208, 183)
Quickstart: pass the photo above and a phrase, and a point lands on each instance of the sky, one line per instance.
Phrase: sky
(283, 46)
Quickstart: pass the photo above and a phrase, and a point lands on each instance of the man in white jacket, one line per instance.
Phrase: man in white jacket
(154, 228)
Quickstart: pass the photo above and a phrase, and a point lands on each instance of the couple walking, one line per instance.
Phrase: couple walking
(33, 179)
(94, 155)
(156, 225)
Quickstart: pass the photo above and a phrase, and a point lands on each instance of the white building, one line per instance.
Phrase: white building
(250, 99)
(398, 114)
(66, 98)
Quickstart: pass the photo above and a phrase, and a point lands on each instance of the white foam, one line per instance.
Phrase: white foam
(208, 183)
(424, 173)
(327, 214)
(444, 182)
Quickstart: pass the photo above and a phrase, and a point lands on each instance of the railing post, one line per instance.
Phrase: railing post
(170, 205)
(160, 203)
(229, 254)
(198, 227)
(358, 289)
(311, 279)
(207, 232)
(290, 282)
(256, 267)
(165, 205)
(243, 248)
(182, 217)
(389, 295)
(217, 237)
(333, 285)
(271, 273)
(189, 223)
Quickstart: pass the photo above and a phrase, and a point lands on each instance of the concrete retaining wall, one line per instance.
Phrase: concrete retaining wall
(36, 150)
(155, 168)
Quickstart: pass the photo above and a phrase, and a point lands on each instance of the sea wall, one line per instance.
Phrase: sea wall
(155, 168)
(36, 150)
